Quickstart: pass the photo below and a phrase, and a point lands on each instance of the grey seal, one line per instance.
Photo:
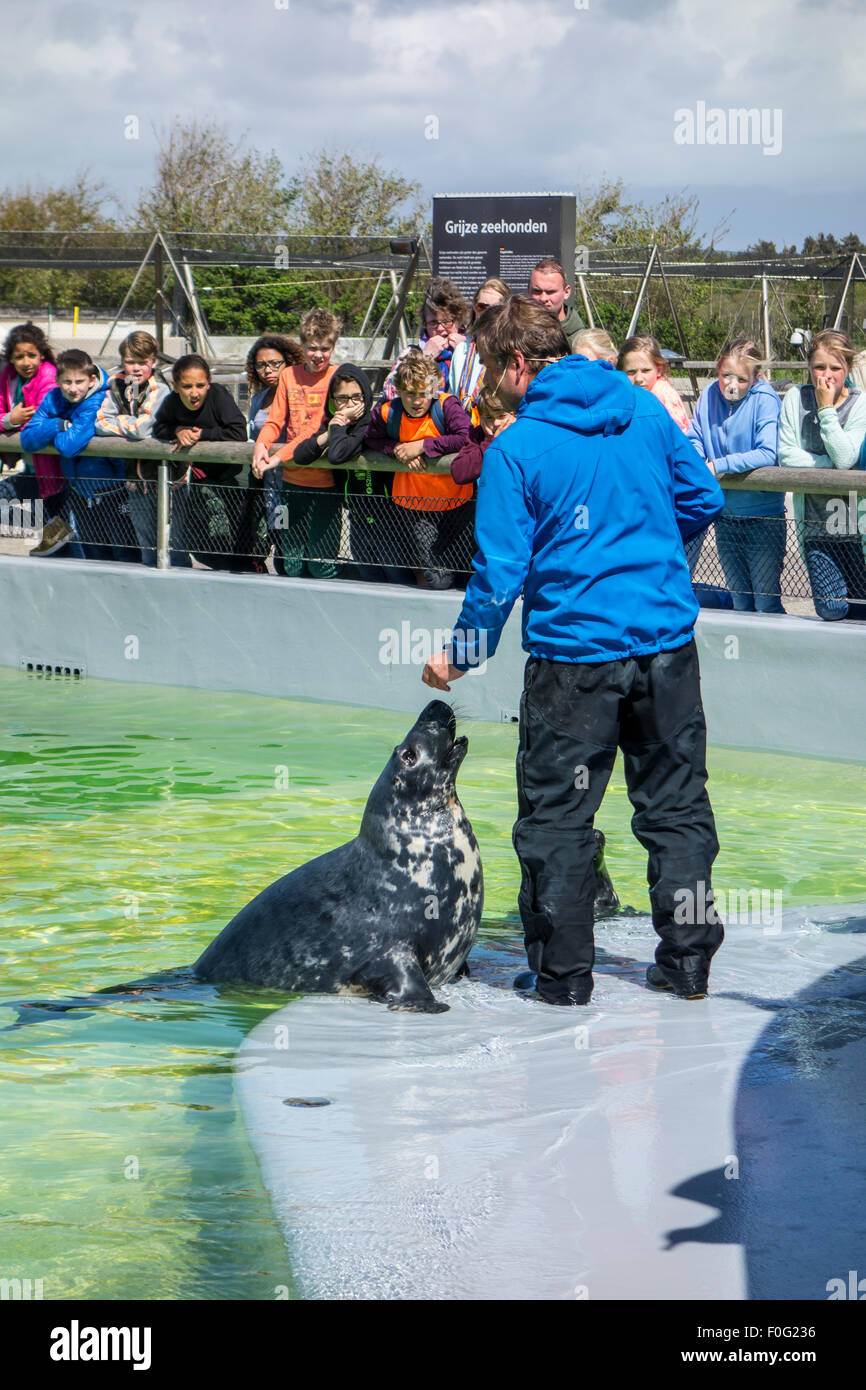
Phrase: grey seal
(390, 914)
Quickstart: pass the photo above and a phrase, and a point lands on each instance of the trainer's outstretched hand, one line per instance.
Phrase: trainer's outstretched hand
(439, 671)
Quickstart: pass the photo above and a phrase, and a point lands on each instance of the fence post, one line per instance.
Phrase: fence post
(163, 560)
(765, 315)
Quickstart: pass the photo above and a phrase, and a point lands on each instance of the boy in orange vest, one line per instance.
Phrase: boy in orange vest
(308, 519)
(424, 423)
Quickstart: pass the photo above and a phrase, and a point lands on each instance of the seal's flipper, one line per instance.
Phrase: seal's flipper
(606, 899)
(398, 981)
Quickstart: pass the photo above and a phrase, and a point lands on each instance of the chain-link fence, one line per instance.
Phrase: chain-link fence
(357, 529)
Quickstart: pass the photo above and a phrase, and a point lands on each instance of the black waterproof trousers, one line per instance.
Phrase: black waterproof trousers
(573, 717)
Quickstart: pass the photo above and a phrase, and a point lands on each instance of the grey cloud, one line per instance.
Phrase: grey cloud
(555, 100)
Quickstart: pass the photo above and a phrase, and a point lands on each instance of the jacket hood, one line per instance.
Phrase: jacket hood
(100, 383)
(348, 369)
(589, 397)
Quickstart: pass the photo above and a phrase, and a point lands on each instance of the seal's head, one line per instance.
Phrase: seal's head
(416, 786)
(425, 765)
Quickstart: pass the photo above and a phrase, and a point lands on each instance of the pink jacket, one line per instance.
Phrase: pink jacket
(49, 476)
(672, 402)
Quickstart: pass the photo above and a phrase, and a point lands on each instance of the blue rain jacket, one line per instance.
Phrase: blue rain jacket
(70, 428)
(584, 504)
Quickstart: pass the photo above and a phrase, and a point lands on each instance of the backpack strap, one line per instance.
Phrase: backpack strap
(438, 411)
(392, 414)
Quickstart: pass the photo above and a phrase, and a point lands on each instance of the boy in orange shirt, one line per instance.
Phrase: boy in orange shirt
(308, 520)
(438, 513)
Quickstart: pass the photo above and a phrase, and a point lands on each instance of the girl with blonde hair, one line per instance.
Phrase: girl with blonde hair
(735, 429)
(823, 425)
(642, 361)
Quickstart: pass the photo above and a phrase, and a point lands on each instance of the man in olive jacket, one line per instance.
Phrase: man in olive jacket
(549, 288)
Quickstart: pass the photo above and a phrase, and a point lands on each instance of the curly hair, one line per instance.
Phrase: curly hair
(444, 295)
(28, 333)
(288, 348)
(416, 372)
(322, 324)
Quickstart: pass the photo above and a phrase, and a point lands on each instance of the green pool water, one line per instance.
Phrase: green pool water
(135, 822)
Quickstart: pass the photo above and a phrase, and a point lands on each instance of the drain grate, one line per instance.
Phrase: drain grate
(74, 670)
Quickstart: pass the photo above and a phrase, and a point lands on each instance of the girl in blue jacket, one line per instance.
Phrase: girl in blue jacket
(735, 428)
(66, 419)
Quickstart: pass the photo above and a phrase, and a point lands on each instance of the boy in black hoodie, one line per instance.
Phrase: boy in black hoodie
(341, 438)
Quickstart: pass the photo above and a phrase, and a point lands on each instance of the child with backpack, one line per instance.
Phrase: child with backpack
(436, 513)
(347, 414)
(310, 502)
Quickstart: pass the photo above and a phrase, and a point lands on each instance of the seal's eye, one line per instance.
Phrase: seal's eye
(408, 757)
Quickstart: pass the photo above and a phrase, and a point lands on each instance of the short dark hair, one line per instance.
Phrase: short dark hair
(548, 263)
(27, 333)
(74, 360)
(183, 364)
(520, 325)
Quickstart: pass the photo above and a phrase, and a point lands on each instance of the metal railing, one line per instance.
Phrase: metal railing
(222, 525)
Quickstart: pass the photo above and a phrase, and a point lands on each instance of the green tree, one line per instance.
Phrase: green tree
(823, 245)
(606, 219)
(339, 193)
(57, 220)
(207, 182)
(334, 194)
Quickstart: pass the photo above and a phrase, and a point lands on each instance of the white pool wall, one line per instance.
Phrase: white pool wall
(787, 684)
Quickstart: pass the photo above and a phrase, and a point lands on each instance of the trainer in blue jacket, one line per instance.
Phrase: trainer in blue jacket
(66, 419)
(584, 504)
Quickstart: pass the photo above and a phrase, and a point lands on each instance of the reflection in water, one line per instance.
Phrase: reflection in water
(798, 1202)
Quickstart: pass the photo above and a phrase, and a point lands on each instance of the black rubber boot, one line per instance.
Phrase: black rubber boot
(686, 984)
(580, 991)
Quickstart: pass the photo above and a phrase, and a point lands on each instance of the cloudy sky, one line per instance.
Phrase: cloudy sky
(547, 94)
